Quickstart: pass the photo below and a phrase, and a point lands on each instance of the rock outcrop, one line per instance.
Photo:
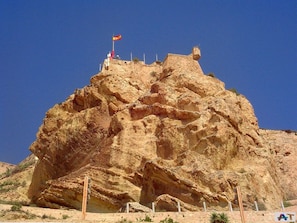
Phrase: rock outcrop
(283, 146)
(162, 133)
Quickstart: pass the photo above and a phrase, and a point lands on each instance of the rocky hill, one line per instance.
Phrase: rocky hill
(162, 133)
(5, 168)
(15, 181)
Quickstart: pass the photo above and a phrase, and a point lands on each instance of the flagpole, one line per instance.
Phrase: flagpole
(112, 52)
(112, 44)
(114, 38)
(112, 49)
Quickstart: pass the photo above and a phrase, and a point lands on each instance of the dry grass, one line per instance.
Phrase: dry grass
(59, 215)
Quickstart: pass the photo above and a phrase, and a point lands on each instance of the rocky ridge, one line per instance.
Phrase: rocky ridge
(162, 133)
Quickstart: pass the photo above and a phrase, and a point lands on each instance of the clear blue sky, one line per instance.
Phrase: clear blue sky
(49, 48)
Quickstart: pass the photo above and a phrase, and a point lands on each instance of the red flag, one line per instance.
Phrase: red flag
(117, 37)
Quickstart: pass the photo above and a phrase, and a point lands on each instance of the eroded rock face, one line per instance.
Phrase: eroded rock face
(283, 146)
(153, 133)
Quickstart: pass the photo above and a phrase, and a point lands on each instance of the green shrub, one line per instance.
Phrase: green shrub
(8, 172)
(124, 221)
(168, 220)
(9, 185)
(23, 184)
(29, 215)
(219, 218)
(287, 204)
(242, 170)
(44, 216)
(261, 206)
(211, 75)
(16, 207)
(22, 166)
(22, 203)
(47, 216)
(65, 216)
(146, 219)
(135, 59)
(153, 73)
(234, 91)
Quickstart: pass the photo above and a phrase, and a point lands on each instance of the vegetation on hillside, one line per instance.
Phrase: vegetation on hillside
(219, 218)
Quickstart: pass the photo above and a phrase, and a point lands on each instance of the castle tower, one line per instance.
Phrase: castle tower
(196, 53)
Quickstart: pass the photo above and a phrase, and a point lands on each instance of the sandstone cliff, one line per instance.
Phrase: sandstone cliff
(162, 133)
(283, 146)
